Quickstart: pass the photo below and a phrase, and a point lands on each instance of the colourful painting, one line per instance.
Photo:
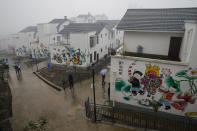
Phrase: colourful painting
(69, 55)
(21, 51)
(41, 51)
(157, 87)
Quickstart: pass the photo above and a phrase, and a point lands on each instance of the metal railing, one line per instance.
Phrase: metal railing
(140, 118)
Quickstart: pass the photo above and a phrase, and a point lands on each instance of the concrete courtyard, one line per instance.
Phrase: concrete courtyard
(64, 110)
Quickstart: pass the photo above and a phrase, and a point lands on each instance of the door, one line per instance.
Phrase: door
(174, 48)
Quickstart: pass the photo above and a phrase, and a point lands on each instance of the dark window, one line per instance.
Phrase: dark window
(95, 55)
(90, 58)
(174, 48)
(67, 37)
(101, 35)
(58, 38)
(91, 41)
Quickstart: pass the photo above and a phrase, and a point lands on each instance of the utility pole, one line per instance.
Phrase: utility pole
(36, 60)
(94, 93)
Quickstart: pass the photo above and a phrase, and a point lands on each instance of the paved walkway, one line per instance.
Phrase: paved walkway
(32, 98)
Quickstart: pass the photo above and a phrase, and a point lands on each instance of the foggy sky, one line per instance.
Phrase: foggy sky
(17, 14)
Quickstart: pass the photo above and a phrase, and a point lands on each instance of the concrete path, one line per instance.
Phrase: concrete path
(32, 98)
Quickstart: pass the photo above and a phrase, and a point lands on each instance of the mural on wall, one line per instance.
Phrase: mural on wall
(158, 88)
(191, 114)
(21, 51)
(41, 51)
(69, 56)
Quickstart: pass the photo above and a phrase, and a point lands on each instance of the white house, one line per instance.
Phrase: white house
(26, 37)
(48, 34)
(83, 18)
(82, 44)
(116, 36)
(159, 64)
(101, 17)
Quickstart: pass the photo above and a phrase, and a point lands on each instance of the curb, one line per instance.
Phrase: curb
(58, 88)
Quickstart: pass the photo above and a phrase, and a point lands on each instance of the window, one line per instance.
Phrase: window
(101, 50)
(95, 55)
(105, 34)
(58, 38)
(101, 35)
(174, 49)
(109, 36)
(67, 38)
(91, 42)
(90, 58)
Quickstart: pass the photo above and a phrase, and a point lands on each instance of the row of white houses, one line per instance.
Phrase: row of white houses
(94, 39)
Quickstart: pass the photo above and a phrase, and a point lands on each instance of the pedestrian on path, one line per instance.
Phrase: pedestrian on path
(70, 79)
(103, 73)
(63, 83)
(16, 69)
(19, 69)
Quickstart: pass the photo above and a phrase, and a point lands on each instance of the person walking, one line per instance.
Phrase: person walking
(19, 69)
(16, 69)
(70, 79)
(103, 72)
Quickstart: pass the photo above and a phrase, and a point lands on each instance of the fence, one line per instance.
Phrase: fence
(140, 118)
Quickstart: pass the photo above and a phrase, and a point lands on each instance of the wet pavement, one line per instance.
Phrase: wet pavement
(64, 110)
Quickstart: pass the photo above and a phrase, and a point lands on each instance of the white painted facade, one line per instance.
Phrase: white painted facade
(172, 85)
(117, 38)
(152, 42)
(23, 46)
(158, 42)
(82, 41)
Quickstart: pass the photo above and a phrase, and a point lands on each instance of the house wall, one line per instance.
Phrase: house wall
(104, 43)
(152, 42)
(118, 38)
(67, 55)
(166, 84)
(46, 33)
(24, 41)
(189, 44)
(80, 43)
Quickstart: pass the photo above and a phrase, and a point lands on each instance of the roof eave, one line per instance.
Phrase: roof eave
(173, 31)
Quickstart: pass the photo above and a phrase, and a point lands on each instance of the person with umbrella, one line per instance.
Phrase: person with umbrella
(103, 73)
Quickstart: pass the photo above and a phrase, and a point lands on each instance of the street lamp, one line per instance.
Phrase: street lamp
(94, 93)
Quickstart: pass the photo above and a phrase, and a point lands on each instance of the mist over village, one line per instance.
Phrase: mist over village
(98, 65)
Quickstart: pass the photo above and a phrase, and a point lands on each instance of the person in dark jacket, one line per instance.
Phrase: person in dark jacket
(70, 79)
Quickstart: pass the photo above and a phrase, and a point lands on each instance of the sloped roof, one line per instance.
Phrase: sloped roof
(29, 29)
(109, 24)
(169, 19)
(82, 27)
(59, 22)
